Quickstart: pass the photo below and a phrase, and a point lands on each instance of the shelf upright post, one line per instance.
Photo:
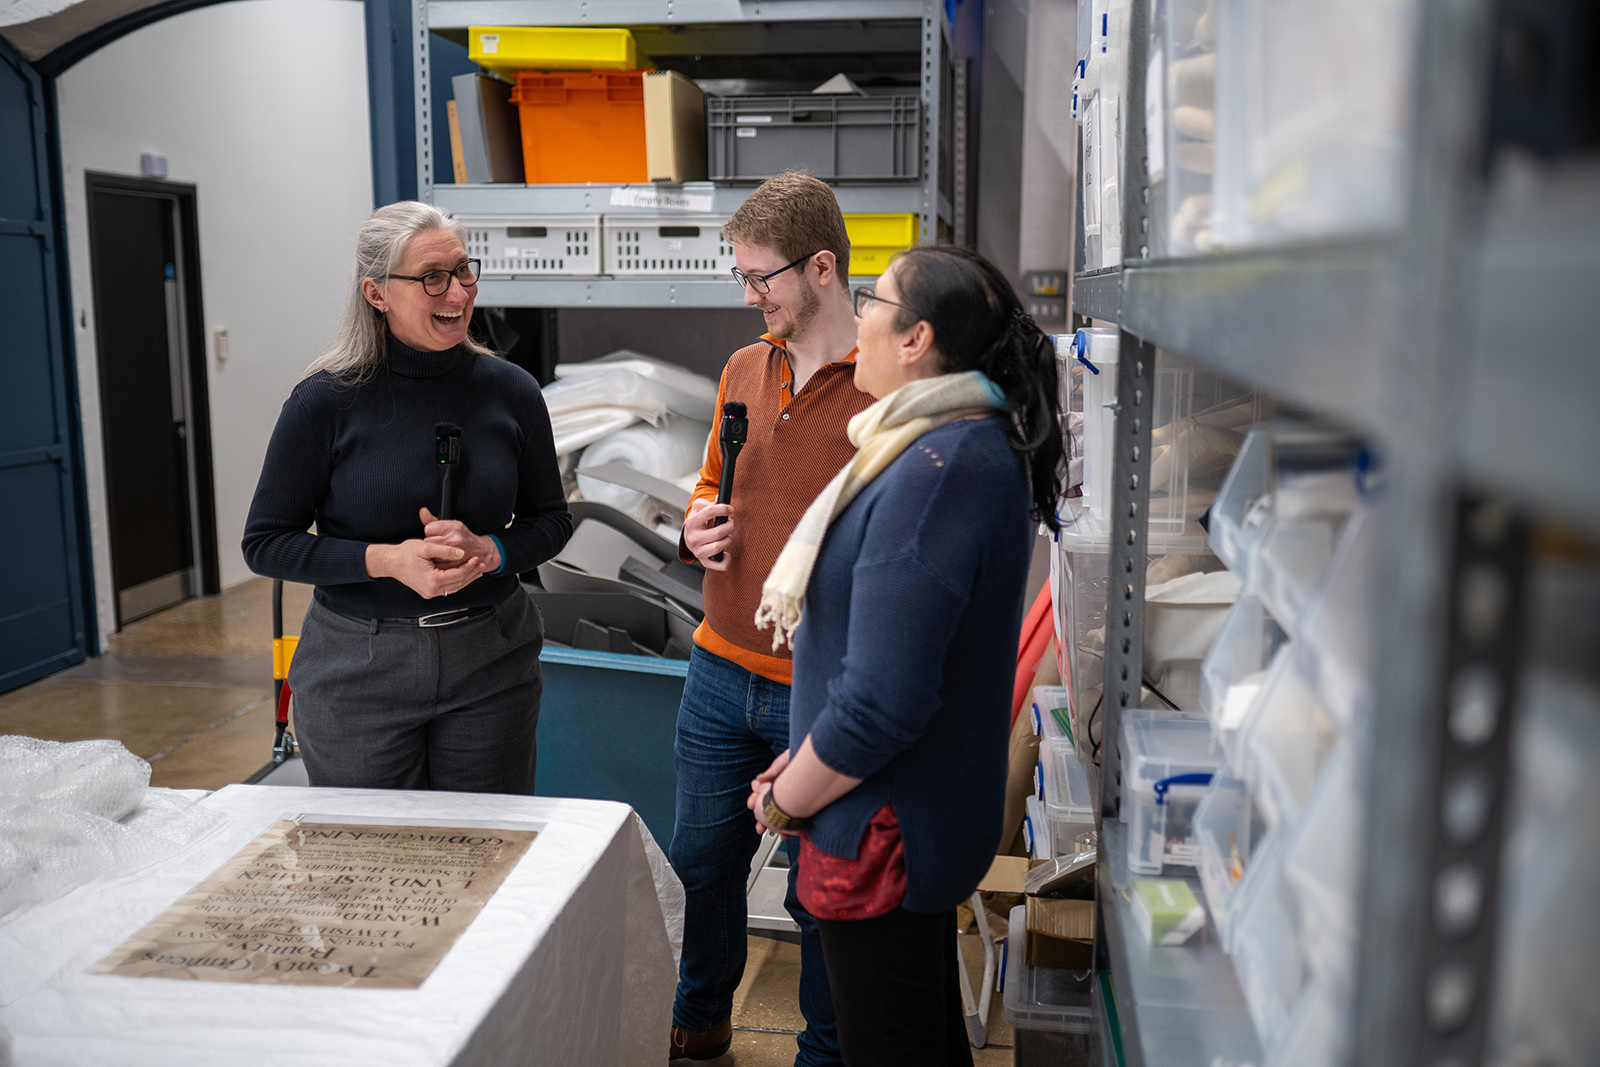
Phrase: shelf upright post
(1425, 969)
(1130, 459)
(421, 59)
(932, 72)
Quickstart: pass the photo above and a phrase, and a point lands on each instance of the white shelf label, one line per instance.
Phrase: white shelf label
(660, 199)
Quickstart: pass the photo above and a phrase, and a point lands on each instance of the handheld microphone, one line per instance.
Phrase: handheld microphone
(447, 450)
(735, 428)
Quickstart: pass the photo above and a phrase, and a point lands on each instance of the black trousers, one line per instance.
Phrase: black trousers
(392, 706)
(896, 990)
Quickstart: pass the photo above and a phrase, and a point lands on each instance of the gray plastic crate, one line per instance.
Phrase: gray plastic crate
(854, 138)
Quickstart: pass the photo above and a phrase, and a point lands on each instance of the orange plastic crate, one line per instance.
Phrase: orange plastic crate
(583, 126)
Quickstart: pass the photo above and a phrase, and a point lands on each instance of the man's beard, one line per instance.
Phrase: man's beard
(803, 311)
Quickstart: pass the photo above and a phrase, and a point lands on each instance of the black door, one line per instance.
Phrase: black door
(41, 595)
(142, 313)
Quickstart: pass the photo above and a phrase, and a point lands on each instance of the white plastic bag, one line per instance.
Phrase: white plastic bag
(75, 812)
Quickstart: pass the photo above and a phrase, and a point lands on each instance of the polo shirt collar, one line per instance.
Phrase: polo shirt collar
(783, 346)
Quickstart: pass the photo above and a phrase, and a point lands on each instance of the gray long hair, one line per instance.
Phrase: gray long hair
(363, 339)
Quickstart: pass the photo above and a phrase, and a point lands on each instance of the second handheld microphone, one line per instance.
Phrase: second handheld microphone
(731, 436)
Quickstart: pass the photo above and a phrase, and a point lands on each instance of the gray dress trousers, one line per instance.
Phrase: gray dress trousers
(391, 705)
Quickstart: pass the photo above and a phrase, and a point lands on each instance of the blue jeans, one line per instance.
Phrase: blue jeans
(730, 726)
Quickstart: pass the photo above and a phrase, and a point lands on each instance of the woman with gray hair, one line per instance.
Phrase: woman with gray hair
(428, 468)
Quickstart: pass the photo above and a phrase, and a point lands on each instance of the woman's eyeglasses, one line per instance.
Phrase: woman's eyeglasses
(760, 282)
(437, 282)
(865, 298)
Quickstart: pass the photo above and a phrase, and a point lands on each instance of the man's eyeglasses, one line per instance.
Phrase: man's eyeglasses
(437, 282)
(760, 282)
(865, 298)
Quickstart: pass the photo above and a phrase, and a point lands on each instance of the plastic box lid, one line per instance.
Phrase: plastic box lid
(1048, 699)
(1043, 998)
(1158, 745)
(1036, 830)
(1065, 784)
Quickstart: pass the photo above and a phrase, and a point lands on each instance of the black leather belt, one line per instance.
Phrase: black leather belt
(444, 618)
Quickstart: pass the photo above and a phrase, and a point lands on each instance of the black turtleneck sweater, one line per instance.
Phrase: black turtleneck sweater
(358, 461)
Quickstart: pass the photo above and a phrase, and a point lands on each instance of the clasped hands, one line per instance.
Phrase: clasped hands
(446, 559)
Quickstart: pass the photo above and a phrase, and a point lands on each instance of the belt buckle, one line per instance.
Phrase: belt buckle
(443, 618)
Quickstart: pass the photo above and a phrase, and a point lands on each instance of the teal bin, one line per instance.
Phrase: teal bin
(606, 727)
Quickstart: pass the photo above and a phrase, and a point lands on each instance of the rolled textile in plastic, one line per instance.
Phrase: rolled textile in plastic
(668, 451)
(681, 391)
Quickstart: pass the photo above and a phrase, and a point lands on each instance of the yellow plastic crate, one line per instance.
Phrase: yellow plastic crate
(508, 49)
(874, 240)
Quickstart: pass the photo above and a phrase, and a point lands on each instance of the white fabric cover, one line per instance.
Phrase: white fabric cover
(573, 961)
(669, 451)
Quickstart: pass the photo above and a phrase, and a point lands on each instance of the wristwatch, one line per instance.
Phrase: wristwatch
(778, 819)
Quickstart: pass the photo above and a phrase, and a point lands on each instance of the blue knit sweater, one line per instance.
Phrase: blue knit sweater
(906, 655)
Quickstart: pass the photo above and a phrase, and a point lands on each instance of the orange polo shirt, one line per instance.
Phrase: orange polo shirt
(796, 444)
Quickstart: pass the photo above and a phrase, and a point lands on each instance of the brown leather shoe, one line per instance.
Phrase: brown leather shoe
(687, 1046)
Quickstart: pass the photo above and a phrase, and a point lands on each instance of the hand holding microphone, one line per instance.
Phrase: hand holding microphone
(708, 530)
(444, 529)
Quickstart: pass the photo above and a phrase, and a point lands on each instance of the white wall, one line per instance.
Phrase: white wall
(262, 105)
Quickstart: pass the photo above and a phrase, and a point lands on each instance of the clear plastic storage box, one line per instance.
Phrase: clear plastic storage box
(1280, 512)
(1323, 863)
(1180, 96)
(1036, 829)
(1051, 714)
(1288, 739)
(1167, 762)
(1234, 671)
(1229, 833)
(1197, 424)
(1068, 805)
(1084, 560)
(1043, 998)
(1267, 957)
(1313, 104)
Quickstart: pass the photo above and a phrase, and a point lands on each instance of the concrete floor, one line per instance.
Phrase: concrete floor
(190, 690)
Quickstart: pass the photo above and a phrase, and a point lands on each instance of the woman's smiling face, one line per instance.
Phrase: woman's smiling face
(426, 323)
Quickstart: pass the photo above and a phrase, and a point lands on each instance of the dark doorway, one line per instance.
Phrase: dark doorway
(144, 260)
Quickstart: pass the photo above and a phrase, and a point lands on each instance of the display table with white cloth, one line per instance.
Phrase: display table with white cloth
(573, 961)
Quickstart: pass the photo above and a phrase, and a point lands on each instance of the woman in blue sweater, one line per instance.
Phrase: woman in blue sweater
(911, 567)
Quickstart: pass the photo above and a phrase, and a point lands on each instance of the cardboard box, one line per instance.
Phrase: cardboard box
(491, 133)
(1005, 875)
(674, 128)
(1060, 933)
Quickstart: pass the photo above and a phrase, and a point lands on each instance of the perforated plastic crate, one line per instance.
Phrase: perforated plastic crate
(654, 245)
(534, 244)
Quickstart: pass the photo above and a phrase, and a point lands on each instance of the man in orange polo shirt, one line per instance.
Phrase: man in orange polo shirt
(797, 382)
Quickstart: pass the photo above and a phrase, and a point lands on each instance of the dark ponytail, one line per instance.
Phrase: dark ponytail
(978, 324)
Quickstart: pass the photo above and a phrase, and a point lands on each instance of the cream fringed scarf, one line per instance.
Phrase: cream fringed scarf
(880, 433)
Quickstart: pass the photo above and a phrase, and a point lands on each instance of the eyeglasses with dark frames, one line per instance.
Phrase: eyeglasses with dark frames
(761, 282)
(437, 282)
(864, 299)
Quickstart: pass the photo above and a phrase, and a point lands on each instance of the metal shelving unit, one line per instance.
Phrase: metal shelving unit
(1459, 346)
(699, 29)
